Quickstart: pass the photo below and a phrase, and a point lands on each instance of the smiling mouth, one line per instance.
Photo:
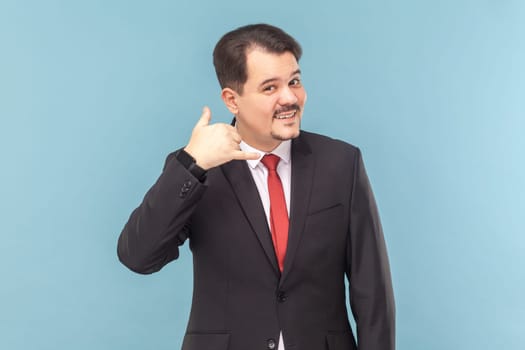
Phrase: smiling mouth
(287, 115)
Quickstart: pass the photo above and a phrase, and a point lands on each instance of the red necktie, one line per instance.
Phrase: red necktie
(278, 211)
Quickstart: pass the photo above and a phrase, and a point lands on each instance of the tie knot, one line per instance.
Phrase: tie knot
(270, 161)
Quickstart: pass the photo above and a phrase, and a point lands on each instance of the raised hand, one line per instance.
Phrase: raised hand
(214, 144)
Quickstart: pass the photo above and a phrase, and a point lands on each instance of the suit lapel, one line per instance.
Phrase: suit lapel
(241, 180)
(303, 166)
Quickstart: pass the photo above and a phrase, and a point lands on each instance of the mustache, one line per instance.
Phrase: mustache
(288, 108)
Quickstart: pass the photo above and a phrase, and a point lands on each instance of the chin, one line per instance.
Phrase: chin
(284, 136)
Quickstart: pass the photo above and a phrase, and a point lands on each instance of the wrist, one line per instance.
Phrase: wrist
(187, 160)
(196, 158)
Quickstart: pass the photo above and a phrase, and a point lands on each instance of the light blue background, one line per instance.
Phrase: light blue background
(94, 95)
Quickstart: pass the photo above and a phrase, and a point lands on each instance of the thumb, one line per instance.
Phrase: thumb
(205, 117)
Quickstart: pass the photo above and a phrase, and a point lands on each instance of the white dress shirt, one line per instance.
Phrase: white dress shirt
(260, 176)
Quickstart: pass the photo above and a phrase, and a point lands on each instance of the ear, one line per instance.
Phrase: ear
(229, 97)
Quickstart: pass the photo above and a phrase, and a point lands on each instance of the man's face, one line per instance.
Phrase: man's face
(270, 108)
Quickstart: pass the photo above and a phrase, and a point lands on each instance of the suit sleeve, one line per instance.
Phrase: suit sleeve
(371, 293)
(154, 231)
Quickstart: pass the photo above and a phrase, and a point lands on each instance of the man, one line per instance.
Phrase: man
(272, 236)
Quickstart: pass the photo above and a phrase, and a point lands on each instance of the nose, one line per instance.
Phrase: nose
(287, 97)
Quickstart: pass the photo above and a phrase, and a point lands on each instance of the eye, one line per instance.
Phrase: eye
(269, 88)
(295, 82)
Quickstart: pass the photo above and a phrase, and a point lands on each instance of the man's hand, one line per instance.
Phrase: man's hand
(215, 144)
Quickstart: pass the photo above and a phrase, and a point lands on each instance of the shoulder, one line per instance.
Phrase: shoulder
(332, 155)
(320, 144)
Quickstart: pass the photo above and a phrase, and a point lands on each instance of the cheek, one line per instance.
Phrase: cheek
(301, 96)
(266, 106)
(259, 110)
(258, 113)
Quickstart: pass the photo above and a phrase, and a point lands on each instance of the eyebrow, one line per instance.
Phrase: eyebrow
(298, 71)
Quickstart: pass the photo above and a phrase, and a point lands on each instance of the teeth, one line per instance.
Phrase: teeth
(285, 116)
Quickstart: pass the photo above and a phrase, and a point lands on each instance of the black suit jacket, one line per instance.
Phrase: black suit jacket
(240, 299)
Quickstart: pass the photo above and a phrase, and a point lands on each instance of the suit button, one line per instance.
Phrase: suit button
(186, 186)
(271, 344)
(281, 297)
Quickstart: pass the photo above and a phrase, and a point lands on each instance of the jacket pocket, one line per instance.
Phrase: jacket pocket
(206, 341)
(341, 341)
(322, 209)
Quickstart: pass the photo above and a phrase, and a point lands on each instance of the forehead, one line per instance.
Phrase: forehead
(262, 65)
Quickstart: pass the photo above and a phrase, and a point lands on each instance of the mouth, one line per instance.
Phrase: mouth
(285, 115)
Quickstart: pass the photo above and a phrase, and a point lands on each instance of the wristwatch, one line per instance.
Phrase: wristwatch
(189, 163)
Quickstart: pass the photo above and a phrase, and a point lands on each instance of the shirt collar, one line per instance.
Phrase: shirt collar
(283, 151)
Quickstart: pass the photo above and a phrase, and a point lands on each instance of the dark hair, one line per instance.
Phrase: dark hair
(229, 55)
